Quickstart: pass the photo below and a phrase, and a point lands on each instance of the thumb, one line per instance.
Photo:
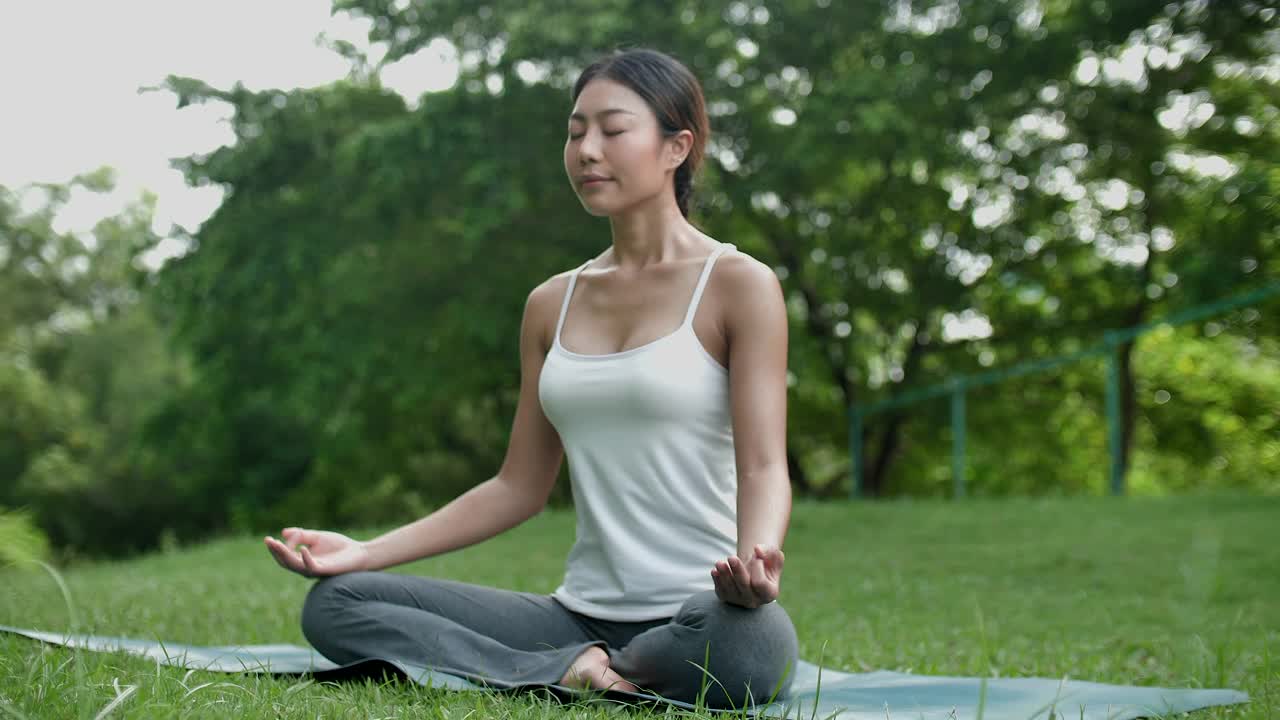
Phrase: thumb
(312, 565)
(295, 535)
(773, 559)
(769, 553)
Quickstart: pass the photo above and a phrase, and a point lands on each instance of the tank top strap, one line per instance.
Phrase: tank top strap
(568, 294)
(702, 280)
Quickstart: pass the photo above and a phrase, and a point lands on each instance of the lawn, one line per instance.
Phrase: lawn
(1181, 592)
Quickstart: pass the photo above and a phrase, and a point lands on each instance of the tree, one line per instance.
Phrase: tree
(900, 163)
(84, 365)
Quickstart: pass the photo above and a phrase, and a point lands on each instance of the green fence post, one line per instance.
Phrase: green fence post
(1114, 429)
(855, 451)
(1110, 347)
(957, 438)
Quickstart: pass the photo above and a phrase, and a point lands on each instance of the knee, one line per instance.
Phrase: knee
(751, 652)
(706, 612)
(326, 598)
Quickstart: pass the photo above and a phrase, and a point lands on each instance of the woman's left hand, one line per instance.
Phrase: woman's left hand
(750, 584)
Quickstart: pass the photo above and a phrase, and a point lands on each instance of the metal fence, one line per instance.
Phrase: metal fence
(957, 387)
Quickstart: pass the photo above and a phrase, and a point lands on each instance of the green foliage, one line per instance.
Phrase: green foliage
(82, 368)
(910, 126)
(21, 542)
(340, 345)
(1211, 413)
(383, 328)
(37, 415)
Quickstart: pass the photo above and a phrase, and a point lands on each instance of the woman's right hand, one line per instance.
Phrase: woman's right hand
(317, 553)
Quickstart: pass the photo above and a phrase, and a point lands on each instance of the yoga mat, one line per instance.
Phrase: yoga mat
(878, 695)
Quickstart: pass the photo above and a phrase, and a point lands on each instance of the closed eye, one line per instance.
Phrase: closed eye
(609, 134)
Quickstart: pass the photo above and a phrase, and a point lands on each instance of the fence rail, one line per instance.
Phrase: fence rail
(957, 387)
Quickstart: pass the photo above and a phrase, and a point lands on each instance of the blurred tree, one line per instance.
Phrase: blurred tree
(355, 302)
(940, 186)
(906, 165)
(83, 365)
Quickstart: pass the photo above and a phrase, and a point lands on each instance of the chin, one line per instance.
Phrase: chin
(596, 209)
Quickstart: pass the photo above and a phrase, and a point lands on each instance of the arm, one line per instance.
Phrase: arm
(756, 330)
(518, 491)
(523, 483)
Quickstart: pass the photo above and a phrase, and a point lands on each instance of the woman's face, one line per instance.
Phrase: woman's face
(614, 135)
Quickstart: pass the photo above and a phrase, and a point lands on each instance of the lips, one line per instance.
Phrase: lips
(588, 180)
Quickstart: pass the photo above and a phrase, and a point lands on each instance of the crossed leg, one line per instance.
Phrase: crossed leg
(501, 637)
(725, 654)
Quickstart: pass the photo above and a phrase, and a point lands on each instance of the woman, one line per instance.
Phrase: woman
(664, 384)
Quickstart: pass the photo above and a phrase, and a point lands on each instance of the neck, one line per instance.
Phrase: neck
(652, 233)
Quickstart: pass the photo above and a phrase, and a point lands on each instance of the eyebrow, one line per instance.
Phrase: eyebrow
(602, 113)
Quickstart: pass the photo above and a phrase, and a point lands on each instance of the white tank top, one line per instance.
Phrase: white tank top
(649, 440)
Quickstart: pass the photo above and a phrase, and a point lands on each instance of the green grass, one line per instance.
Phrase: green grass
(1180, 592)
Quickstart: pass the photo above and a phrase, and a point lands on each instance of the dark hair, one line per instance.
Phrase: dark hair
(674, 95)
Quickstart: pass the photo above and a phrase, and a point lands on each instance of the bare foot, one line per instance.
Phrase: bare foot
(591, 670)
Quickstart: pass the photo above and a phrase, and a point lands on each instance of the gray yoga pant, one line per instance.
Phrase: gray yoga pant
(509, 639)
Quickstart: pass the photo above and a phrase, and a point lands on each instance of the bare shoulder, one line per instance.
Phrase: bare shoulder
(740, 277)
(750, 299)
(542, 308)
(549, 293)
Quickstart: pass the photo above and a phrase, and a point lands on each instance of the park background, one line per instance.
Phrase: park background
(311, 319)
(943, 188)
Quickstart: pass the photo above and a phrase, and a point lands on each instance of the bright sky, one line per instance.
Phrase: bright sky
(73, 69)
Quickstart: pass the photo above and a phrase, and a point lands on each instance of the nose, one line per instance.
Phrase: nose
(589, 148)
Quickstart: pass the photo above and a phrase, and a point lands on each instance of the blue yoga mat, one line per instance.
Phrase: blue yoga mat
(879, 695)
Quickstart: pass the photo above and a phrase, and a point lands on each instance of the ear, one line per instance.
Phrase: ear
(678, 147)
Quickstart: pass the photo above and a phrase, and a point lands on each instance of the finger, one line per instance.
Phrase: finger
(275, 546)
(762, 583)
(285, 557)
(773, 561)
(718, 580)
(740, 582)
(764, 579)
(722, 575)
(766, 552)
(312, 566)
(764, 589)
(271, 549)
(729, 590)
(298, 536)
(741, 576)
